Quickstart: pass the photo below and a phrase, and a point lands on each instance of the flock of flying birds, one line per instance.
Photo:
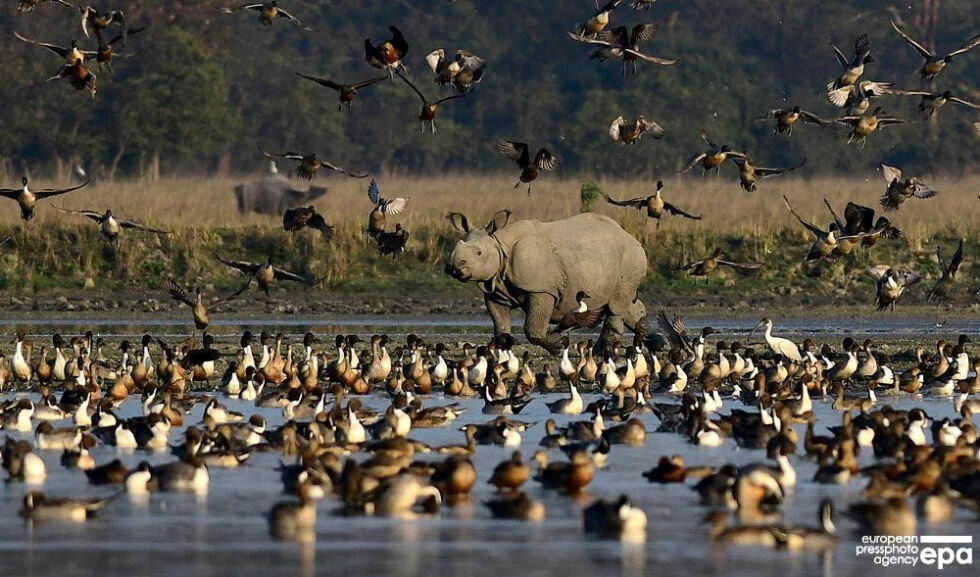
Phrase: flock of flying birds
(464, 71)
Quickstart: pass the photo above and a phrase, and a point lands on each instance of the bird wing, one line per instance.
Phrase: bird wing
(374, 193)
(891, 173)
(958, 100)
(907, 277)
(674, 330)
(546, 160)
(812, 118)
(694, 161)
(844, 62)
(368, 82)
(858, 218)
(809, 225)
(177, 293)
(336, 168)
(409, 82)
(888, 121)
(48, 192)
(923, 52)
(642, 32)
(316, 221)
(294, 219)
(398, 41)
(289, 155)
(772, 113)
(452, 97)
(898, 92)
(615, 127)
(923, 191)
(128, 224)
(877, 272)
(837, 220)
(435, 58)
(516, 151)
(742, 265)
(954, 265)
(970, 44)
(637, 203)
(325, 82)
(59, 50)
(678, 212)
(690, 265)
(394, 205)
(588, 40)
(244, 266)
(653, 128)
(654, 59)
(838, 97)
(281, 274)
(96, 216)
(288, 16)
(764, 172)
(707, 139)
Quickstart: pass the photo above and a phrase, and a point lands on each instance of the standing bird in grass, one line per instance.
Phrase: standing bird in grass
(382, 208)
(630, 132)
(268, 12)
(520, 153)
(654, 204)
(934, 63)
(429, 108)
(890, 284)
(109, 226)
(296, 219)
(705, 266)
(264, 273)
(347, 92)
(941, 289)
(27, 198)
(387, 55)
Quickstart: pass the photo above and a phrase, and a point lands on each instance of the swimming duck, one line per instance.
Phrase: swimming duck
(892, 516)
(705, 266)
(668, 470)
(940, 290)
(295, 219)
(621, 42)
(753, 534)
(618, 519)
(510, 474)
(268, 12)
(520, 153)
(294, 521)
(27, 198)
(890, 284)
(899, 190)
(748, 174)
(714, 157)
(454, 478)
(934, 63)
(787, 117)
(48, 438)
(309, 164)
(463, 72)
(387, 55)
(189, 475)
(571, 476)
(39, 507)
(863, 126)
(654, 204)
(572, 405)
(517, 505)
(395, 497)
(630, 132)
(109, 226)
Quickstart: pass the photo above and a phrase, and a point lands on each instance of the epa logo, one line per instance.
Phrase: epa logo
(939, 551)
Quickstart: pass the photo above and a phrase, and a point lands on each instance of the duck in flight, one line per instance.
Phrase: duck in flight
(309, 164)
(27, 198)
(110, 227)
(654, 204)
(521, 154)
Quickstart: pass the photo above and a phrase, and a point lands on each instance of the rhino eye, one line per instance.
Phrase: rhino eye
(479, 253)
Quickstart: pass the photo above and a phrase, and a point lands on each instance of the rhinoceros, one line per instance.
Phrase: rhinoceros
(273, 194)
(541, 266)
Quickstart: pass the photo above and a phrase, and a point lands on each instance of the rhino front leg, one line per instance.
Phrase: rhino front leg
(499, 314)
(539, 309)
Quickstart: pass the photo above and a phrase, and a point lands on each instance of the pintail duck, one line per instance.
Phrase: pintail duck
(632, 433)
(933, 63)
(520, 153)
(940, 290)
(572, 405)
(100, 20)
(39, 507)
(347, 92)
(856, 98)
(387, 55)
(463, 72)
(429, 108)
(17, 416)
(27, 198)
(714, 157)
(264, 273)
(854, 68)
(48, 438)
(189, 475)
(861, 220)
(109, 226)
(294, 521)
(382, 208)
(22, 463)
(309, 164)
(676, 333)
(752, 534)
(396, 497)
(892, 516)
(454, 477)
(826, 242)
(30, 5)
(931, 102)
(705, 266)
(630, 132)
(654, 204)
(599, 20)
(863, 126)
(105, 53)
(517, 505)
(787, 117)
(570, 476)
(890, 284)
(296, 219)
(899, 190)
(392, 243)
(268, 12)
(668, 470)
(618, 519)
(581, 317)
(748, 173)
(72, 55)
(199, 309)
(621, 42)
(510, 474)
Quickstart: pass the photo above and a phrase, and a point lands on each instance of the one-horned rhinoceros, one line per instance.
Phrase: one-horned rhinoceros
(541, 266)
(273, 194)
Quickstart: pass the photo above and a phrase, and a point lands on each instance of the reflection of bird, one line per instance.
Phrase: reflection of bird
(899, 190)
(429, 108)
(748, 174)
(387, 55)
(520, 153)
(309, 164)
(620, 42)
(787, 117)
(299, 218)
(705, 266)
(392, 242)
(382, 208)
(934, 63)
(347, 92)
(654, 205)
(264, 273)
(109, 225)
(464, 71)
(890, 284)
(27, 198)
(711, 158)
(268, 12)
(630, 132)
(941, 288)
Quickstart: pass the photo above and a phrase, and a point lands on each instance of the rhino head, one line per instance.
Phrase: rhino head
(478, 255)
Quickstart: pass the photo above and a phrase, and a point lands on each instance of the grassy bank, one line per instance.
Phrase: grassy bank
(57, 252)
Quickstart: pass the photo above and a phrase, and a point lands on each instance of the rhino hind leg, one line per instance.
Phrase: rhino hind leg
(537, 316)
(634, 319)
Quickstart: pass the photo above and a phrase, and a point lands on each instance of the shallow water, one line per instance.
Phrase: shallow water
(225, 532)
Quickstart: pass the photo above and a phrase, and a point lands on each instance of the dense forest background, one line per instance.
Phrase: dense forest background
(205, 89)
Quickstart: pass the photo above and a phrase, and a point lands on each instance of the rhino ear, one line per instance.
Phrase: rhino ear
(498, 221)
(459, 222)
